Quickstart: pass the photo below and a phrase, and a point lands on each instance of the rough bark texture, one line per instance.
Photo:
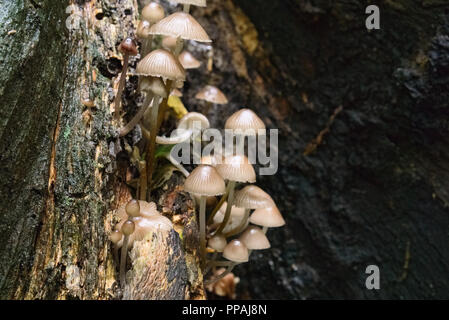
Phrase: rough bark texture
(364, 157)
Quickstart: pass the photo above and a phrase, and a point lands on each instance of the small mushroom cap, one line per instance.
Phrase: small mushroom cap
(115, 236)
(190, 119)
(199, 3)
(175, 92)
(132, 208)
(155, 85)
(212, 94)
(169, 43)
(255, 239)
(188, 61)
(253, 197)
(237, 215)
(267, 217)
(161, 63)
(237, 168)
(128, 227)
(128, 46)
(146, 209)
(180, 24)
(245, 119)
(217, 242)
(205, 180)
(145, 225)
(153, 12)
(143, 29)
(236, 251)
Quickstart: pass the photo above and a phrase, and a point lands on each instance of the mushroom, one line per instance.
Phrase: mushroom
(204, 181)
(235, 251)
(236, 218)
(188, 61)
(255, 239)
(154, 88)
(169, 43)
(182, 26)
(151, 13)
(245, 120)
(158, 63)
(250, 197)
(175, 92)
(217, 243)
(132, 209)
(127, 48)
(186, 4)
(212, 95)
(235, 168)
(269, 217)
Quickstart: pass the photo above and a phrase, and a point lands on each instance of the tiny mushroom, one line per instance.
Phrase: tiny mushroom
(255, 239)
(217, 243)
(269, 217)
(236, 251)
(235, 168)
(188, 61)
(212, 95)
(151, 14)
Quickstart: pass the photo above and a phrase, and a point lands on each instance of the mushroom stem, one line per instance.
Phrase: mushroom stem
(242, 225)
(135, 120)
(265, 229)
(116, 255)
(218, 206)
(203, 228)
(143, 180)
(227, 215)
(146, 46)
(177, 165)
(123, 261)
(222, 275)
(186, 8)
(121, 86)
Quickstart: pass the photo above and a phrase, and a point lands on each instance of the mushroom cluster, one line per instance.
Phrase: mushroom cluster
(230, 226)
(239, 222)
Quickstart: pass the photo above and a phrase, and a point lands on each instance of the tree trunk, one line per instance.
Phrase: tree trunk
(364, 157)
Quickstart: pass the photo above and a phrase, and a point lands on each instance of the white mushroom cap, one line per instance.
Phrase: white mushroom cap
(237, 168)
(253, 197)
(153, 12)
(161, 63)
(245, 120)
(147, 209)
(188, 61)
(199, 3)
(212, 94)
(237, 215)
(189, 119)
(236, 251)
(180, 24)
(267, 217)
(205, 180)
(155, 85)
(255, 239)
(211, 160)
(217, 242)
